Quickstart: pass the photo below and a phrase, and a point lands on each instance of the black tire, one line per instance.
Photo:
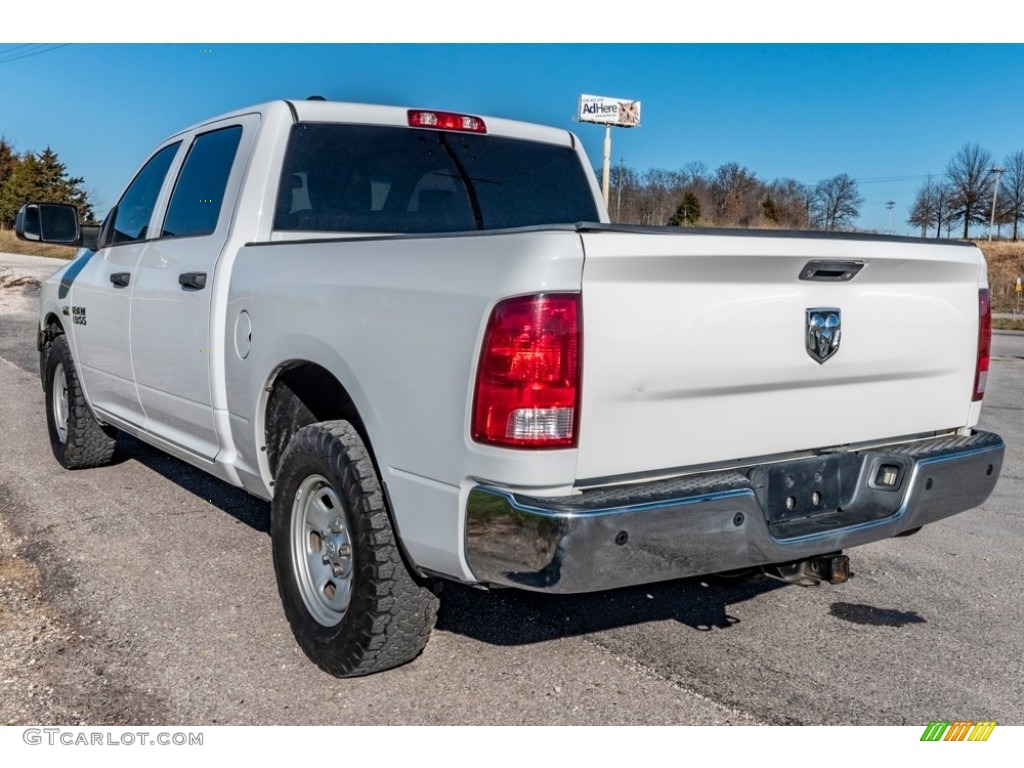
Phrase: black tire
(352, 603)
(77, 439)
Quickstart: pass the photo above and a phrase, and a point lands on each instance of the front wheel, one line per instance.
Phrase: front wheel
(352, 603)
(76, 438)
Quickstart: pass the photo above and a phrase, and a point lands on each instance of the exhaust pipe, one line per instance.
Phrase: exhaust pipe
(833, 568)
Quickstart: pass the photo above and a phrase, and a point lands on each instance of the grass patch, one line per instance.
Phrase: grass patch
(1008, 324)
(11, 244)
(1005, 265)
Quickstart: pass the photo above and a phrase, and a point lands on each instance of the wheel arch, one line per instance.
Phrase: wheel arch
(301, 392)
(50, 327)
(51, 322)
(298, 393)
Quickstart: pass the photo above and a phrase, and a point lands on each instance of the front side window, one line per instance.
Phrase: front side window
(199, 191)
(364, 178)
(135, 209)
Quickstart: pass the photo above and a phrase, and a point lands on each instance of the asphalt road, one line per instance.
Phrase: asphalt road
(154, 593)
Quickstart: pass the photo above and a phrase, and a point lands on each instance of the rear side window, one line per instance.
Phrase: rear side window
(199, 191)
(359, 178)
(135, 208)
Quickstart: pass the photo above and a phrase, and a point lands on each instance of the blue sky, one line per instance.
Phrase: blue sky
(887, 114)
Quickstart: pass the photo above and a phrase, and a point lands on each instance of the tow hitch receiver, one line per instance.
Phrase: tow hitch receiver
(834, 568)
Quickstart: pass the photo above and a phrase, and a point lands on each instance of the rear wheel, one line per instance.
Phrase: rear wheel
(352, 603)
(78, 441)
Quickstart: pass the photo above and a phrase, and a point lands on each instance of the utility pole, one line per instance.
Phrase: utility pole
(995, 192)
(890, 205)
(607, 162)
(618, 193)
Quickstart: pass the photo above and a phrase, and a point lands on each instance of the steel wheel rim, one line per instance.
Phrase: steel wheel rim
(321, 551)
(60, 402)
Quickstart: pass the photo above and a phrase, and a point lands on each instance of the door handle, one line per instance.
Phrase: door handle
(121, 279)
(194, 280)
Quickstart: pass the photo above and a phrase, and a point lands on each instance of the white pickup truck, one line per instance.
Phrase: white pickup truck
(416, 333)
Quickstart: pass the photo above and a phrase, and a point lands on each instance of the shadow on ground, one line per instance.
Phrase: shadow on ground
(512, 617)
(227, 498)
(857, 613)
(501, 617)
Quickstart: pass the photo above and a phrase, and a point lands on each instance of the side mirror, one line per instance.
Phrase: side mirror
(26, 223)
(89, 236)
(54, 223)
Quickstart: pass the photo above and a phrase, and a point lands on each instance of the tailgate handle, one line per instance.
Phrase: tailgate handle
(831, 271)
(121, 279)
(193, 280)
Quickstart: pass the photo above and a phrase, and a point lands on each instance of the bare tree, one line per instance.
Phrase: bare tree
(945, 210)
(732, 196)
(931, 207)
(659, 198)
(625, 192)
(734, 189)
(922, 211)
(970, 178)
(1012, 189)
(693, 173)
(836, 202)
(791, 198)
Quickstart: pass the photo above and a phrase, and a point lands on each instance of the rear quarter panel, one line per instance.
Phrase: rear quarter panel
(399, 322)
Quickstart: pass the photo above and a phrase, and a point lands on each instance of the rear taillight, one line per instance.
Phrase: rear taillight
(984, 343)
(446, 121)
(528, 380)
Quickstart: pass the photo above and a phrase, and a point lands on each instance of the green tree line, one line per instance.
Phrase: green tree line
(37, 177)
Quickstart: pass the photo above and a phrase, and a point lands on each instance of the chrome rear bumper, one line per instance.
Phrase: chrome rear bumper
(720, 521)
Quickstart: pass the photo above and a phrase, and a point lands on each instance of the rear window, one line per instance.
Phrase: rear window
(358, 178)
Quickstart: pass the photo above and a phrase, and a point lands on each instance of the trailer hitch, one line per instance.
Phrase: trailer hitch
(833, 568)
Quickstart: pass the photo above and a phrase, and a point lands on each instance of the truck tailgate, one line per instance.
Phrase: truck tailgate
(695, 346)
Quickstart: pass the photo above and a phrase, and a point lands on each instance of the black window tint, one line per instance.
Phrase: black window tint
(199, 192)
(135, 208)
(358, 178)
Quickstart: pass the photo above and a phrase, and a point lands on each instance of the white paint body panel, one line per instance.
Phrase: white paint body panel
(101, 344)
(694, 349)
(399, 322)
(177, 398)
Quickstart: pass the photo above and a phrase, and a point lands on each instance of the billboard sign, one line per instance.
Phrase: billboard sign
(624, 113)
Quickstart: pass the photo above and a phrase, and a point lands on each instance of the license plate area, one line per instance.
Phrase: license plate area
(832, 491)
(811, 487)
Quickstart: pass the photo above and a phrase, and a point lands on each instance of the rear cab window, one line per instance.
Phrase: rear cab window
(383, 179)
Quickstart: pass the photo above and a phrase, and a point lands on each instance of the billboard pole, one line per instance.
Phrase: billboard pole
(607, 162)
(609, 112)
